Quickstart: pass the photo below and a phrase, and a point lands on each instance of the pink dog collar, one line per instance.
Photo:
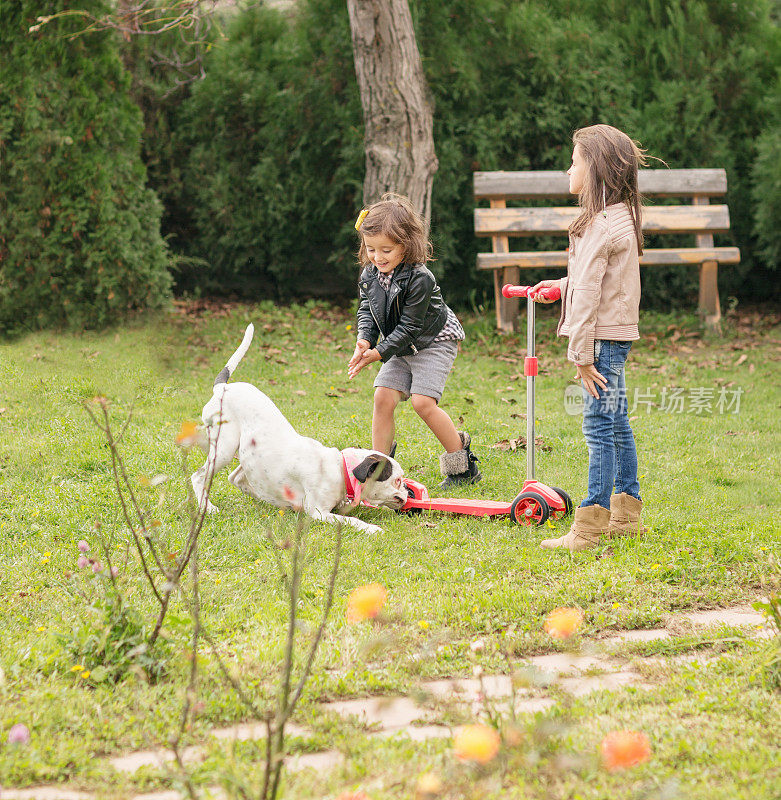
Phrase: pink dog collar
(351, 484)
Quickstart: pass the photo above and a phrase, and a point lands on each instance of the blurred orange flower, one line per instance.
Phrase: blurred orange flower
(359, 795)
(366, 602)
(561, 623)
(622, 749)
(476, 743)
(428, 785)
(188, 434)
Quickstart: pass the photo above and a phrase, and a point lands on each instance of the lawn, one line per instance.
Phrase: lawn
(706, 418)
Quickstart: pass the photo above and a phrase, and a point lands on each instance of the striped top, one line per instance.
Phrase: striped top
(452, 331)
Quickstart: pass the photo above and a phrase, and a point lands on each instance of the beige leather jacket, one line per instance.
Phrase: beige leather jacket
(600, 296)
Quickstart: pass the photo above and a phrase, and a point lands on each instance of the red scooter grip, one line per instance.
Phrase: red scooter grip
(548, 293)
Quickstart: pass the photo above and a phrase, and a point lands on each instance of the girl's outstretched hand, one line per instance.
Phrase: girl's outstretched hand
(361, 346)
(363, 356)
(591, 378)
(542, 285)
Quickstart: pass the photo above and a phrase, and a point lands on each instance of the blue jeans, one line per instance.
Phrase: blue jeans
(612, 455)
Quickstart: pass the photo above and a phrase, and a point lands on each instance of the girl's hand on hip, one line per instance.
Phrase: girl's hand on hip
(542, 285)
(357, 363)
(591, 379)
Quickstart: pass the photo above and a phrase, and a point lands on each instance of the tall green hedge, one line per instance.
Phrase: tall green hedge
(274, 133)
(80, 242)
(275, 157)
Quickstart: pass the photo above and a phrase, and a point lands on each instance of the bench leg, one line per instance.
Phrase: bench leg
(709, 307)
(506, 307)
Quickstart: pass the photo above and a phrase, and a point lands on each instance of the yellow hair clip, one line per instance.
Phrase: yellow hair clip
(361, 218)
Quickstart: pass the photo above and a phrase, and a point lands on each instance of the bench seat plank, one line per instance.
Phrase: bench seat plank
(556, 220)
(657, 256)
(552, 184)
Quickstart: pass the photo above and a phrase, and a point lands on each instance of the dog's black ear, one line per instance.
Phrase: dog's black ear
(378, 466)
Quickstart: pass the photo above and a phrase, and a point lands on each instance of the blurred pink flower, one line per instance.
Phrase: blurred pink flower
(97, 566)
(19, 734)
(114, 572)
(83, 546)
(82, 562)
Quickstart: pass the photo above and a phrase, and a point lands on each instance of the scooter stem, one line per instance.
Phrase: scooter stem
(530, 390)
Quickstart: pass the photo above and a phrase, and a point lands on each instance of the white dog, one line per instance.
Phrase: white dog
(279, 466)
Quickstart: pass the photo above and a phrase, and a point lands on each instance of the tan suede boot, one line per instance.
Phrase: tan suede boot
(625, 516)
(589, 529)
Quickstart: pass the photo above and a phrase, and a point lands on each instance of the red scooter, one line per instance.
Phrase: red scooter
(536, 501)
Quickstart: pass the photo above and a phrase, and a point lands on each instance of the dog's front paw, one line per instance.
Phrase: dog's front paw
(373, 529)
(210, 508)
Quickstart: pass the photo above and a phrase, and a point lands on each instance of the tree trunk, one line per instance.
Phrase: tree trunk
(397, 107)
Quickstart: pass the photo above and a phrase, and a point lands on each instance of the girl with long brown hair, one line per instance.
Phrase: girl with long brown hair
(600, 302)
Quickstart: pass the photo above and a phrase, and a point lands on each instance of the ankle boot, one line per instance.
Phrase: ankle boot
(625, 516)
(461, 466)
(589, 529)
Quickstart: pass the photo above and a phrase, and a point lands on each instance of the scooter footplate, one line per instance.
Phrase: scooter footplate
(458, 505)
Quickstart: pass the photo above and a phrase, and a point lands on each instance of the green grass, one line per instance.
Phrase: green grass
(709, 485)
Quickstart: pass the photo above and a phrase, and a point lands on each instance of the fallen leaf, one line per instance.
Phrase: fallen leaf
(741, 360)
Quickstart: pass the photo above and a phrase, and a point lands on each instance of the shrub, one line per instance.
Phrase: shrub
(278, 169)
(80, 241)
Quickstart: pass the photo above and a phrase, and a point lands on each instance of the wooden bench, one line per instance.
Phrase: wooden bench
(699, 218)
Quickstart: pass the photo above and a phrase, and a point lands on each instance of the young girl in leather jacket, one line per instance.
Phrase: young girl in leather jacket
(600, 300)
(404, 322)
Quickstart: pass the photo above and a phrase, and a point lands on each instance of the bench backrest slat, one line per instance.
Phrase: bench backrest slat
(543, 221)
(552, 185)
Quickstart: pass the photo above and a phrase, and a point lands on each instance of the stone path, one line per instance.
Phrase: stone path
(418, 719)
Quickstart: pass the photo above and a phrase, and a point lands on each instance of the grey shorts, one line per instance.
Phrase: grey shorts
(424, 372)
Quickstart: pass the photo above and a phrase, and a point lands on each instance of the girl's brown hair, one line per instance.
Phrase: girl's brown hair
(394, 216)
(612, 160)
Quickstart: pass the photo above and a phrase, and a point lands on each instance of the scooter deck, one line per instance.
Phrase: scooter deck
(420, 501)
(459, 505)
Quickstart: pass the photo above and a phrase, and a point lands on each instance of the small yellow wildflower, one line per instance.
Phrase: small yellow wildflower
(616, 605)
(423, 625)
(40, 629)
(77, 668)
(86, 674)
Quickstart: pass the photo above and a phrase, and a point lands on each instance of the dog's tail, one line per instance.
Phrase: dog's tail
(234, 360)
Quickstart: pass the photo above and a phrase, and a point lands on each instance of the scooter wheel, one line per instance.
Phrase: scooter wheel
(529, 508)
(567, 501)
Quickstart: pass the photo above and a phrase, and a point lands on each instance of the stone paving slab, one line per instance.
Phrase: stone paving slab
(44, 793)
(387, 712)
(161, 756)
(153, 758)
(583, 685)
(736, 617)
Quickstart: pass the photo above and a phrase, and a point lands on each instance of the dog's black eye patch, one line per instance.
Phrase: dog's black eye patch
(370, 463)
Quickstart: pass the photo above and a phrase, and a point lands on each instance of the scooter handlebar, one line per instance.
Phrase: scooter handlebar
(548, 293)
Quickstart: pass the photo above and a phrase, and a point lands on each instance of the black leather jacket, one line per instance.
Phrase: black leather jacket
(409, 316)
